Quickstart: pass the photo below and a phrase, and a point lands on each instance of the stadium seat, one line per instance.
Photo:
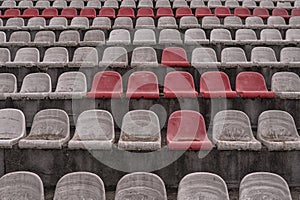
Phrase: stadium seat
(12, 121)
(126, 12)
(119, 36)
(2, 37)
(295, 12)
(187, 131)
(145, 22)
(145, 4)
(144, 37)
(128, 4)
(220, 36)
(286, 85)
(111, 4)
(204, 57)
(69, 13)
(145, 137)
(25, 57)
(210, 22)
(276, 21)
(232, 131)
(249, 4)
(261, 12)
(202, 185)
(246, 36)
(174, 57)
(169, 36)
(84, 185)
(252, 85)
(270, 36)
(164, 12)
(263, 56)
(232, 4)
(233, 22)
(286, 5)
(101, 23)
(11, 13)
(195, 36)
(79, 4)
(35, 23)
(93, 38)
(145, 12)
(19, 38)
(114, 57)
(292, 35)
(21, 184)
(123, 23)
(4, 56)
(167, 22)
(141, 184)
(25, 4)
(107, 12)
(30, 12)
(58, 23)
(179, 85)
(266, 4)
(9, 4)
(59, 4)
(234, 56)
(68, 38)
(197, 4)
(106, 84)
(90, 122)
(50, 130)
(163, 4)
(188, 22)
(70, 85)
(290, 56)
(8, 85)
(144, 57)
(142, 84)
(42, 4)
(179, 4)
(222, 12)
(252, 22)
(280, 12)
(242, 12)
(214, 3)
(216, 85)
(49, 13)
(203, 12)
(93, 4)
(88, 12)
(55, 57)
(297, 4)
(259, 185)
(85, 57)
(79, 23)
(181, 12)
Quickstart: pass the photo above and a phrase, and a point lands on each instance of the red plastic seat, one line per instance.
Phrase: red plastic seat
(203, 12)
(145, 12)
(10, 13)
(261, 12)
(142, 84)
(252, 85)
(106, 84)
(179, 85)
(295, 12)
(242, 12)
(216, 85)
(69, 13)
(49, 13)
(88, 12)
(187, 131)
(30, 12)
(126, 12)
(222, 12)
(280, 12)
(164, 12)
(174, 57)
(181, 12)
(107, 12)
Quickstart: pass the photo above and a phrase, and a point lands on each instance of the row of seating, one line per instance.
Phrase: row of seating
(186, 131)
(137, 185)
(57, 57)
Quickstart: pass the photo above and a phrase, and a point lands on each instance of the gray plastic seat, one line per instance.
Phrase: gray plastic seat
(79, 23)
(70, 85)
(50, 130)
(276, 21)
(232, 4)
(14, 23)
(254, 21)
(188, 22)
(293, 35)
(35, 23)
(41, 4)
(140, 131)
(111, 4)
(220, 36)
(286, 85)
(19, 38)
(144, 37)
(9, 4)
(145, 4)
(85, 57)
(44, 38)
(119, 36)
(8, 85)
(167, 22)
(290, 56)
(21, 185)
(214, 3)
(245, 36)
(58, 23)
(26, 57)
(93, 4)
(59, 4)
(297, 4)
(195, 36)
(169, 36)
(93, 38)
(232, 131)
(211, 22)
(197, 4)
(114, 57)
(128, 4)
(179, 4)
(123, 22)
(202, 185)
(263, 56)
(55, 57)
(25, 4)
(271, 36)
(144, 57)
(233, 21)
(145, 22)
(69, 38)
(81, 185)
(234, 56)
(204, 57)
(4, 56)
(284, 5)
(94, 130)
(77, 4)
(249, 4)
(162, 4)
(266, 4)
(101, 23)
(13, 126)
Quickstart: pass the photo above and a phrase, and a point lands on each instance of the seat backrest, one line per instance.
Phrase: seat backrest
(8, 83)
(27, 54)
(233, 54)
(36, 83)
(12, 121)
(44, 37)
(214, 81)
(20, 37)
(142, 81)
(250, 81)
(179, 82)
(270, 34)
(56, 55)
(245, 34)
(88, 55)
(71, 82)
(205, 55)
(107, 81)
(285, 82)
(290, 55)
(263, 54)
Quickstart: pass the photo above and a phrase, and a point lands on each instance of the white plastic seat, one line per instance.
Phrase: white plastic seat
(55, 57)
(59, 4)
(188, 22)
(286, 85)
(101, 23)
(69, 38)
(167, 22)
(197, 4)
(85, 57)
(232, 4)
(93, 38)
(35, 23)
(179, 4)
(44, 38)
(195, 36)
(58, 23)
(290, 56)
(123, 22)
(25, 4)
(247, 36)
(77, 4)
(41, 4)
(4, 56)
(144, 57)
(111, 4)
(19, 38)
(25, 57)
(93, 4)
(128, 4)
(204, 57)
(220, 36)
(266, 4)
(276, 21)
(8, 85)
(169, 36)
(144, 37)
(14, 23)
(162, 4)
(145, 4)
(271, 36)
(210, 22)
(249, 4)
(114, 57)
(79, 23)
(234, 56)
(254, 21)
(145, 22)
(9, 4)
(284, 5)
(233, 21)
(214, 3)
(263, 56)
(119, 36)
(293, 35)
(294, 21)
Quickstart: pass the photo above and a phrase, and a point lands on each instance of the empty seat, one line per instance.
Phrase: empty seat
(79, 23)
(145, 12)
(276, 21)
(123, 22)
(233, 21)
(210, 22)
(293, 35)
(245, 35)
(85, 57)
(263, 56)
(107, 12)
(145, 22)
(266, 4)
(111, 4)
(144, 57)
(195, 36)
(203, 12)
(59, 4)
(197, 4)
(77, 4)
(254, 22)
(234, 56)
(264, 185)
(169, 36)
(83, 185)
(222, 12)
(8, 4)
(2, 37)
(21, 184)
(216, 85)
(188, 22)
(70, 85)
(145, 137)
(49, 13)
(4, 56)
(295, 12)
(20, 38)
(126, 12)
(30, 12)
(144, 37)
(25, 57)
(69, 38)
(42, 4)
(128, 4)
(12, 121)
(145, 4)
(180, 4)
(280, 12)
(93, 38)
(114, 57)
(174, 57)
(36, 23)
(252, 85)
(179, 85)
(50, 130)
(167, 22)
(232, 131)
(204, 57)
(164, 12)
(286, 85)
(25, 4)
(261, 12)
(101, 23)
(55, 57)
(271, 36)
(290, 56)
(181, 12)
(69, 13)
(220, 35)
(232, 3)
(249, 4)
(106, 84)
(10, 13)
(119, 36)
(8, 85)
(297, 4)
(93, 4)
(59, 23)
(202, 185)
(162, 4)
(214, 3)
